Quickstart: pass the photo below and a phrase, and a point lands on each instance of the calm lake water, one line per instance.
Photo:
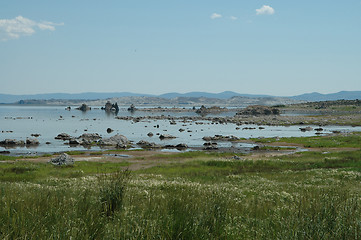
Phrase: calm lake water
(19, 122)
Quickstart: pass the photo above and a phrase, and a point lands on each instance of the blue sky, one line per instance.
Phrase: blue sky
(257, 47)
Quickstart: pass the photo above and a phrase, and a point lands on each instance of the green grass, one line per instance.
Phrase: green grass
(30, 171)
(350, 140)
(13, 158)
(193, 155)
(273, 148)
(7, 158)
(194, 195)
(216, 169)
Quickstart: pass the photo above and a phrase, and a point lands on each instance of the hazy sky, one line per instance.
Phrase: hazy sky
(249, 46)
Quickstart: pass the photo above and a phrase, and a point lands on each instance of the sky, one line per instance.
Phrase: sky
(274, 47)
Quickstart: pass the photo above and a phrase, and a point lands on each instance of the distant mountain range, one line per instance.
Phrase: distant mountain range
(8, 98)
(315, 96)
(222, 95)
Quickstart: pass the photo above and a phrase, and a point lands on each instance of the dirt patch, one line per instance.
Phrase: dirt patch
(136, 159)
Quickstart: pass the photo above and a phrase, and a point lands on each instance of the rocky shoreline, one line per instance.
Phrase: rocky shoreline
(259, 116)
(281, 120)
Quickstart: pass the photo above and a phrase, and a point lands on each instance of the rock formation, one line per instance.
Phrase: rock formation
(32, 142)
(118, 141)
(146, 144)
(63, 136)
(12, 142)
(220, 138)
(131, 108)
(166, 136)
(84, 107)
(215, 109)
(109, 107)
(259, 110)
(63, 159)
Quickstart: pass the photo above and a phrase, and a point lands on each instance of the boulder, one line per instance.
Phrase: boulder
(115, 107)
(256, 148)
(210, 144)
(118, 141)
(166, 136)
(63, 136)
(12, 142)
(74, 141)
(131, 108)
(211, 147)
(32, 141)
(181, 146)
(248, 128)
(84, 107)
(220, 138)
(63, 159)
(86, 142)
(204, 110)
(207, 138)
(90, 137)
(109, 107)
(306, 129)
(146, 144)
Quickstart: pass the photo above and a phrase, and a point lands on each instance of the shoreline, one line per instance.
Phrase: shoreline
(307, 119)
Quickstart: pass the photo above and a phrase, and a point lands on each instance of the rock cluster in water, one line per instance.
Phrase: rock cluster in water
(220, 138)
(118, 141)
(259, 110)
(63, 136)
(146, 144)
(84, 107)
(215, 109)
(89, 139)
(131, 108)
(111, 107)
(210, 146)
(166, 136)
(14, 142)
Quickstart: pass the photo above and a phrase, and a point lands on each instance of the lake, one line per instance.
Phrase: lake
(19, 122)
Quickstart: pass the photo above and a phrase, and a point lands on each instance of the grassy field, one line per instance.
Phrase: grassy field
(349, 140)
(193, 195)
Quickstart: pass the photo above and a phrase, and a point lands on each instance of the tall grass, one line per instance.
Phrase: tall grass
(305, 196)
(112, 189)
